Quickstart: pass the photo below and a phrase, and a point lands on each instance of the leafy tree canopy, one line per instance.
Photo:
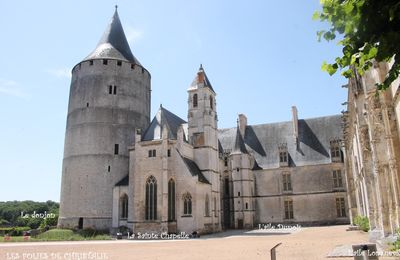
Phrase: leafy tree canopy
(371, 31)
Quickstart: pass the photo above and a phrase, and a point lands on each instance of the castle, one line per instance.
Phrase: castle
(171, 175)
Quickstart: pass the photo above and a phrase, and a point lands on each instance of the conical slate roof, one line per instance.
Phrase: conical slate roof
(113, 44)
(163, 119)
(201, 77)
(239, 146)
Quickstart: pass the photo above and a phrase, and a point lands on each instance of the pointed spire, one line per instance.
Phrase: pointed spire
(201, 78)
(239, 146)
(113, 44)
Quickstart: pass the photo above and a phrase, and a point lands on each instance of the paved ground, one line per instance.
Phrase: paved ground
(305, 243)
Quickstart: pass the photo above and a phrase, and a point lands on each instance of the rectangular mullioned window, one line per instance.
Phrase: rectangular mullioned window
(340, 207)
(287, 181)
(152, 153)
(288, 204)
(337, 179)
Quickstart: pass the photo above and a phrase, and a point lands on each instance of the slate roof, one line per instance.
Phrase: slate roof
(206, 81)
(239, 145)
(194, 169)
(263, 140)
(124, 181)
(113, 43)
(163, 119)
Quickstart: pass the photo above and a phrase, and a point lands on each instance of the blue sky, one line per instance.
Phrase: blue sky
(261, 57)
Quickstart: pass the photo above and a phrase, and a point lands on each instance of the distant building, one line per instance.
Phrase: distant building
(173, 175)
(372, 142)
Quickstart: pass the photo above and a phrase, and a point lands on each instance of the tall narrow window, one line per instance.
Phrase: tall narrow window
(226, 161)
(337, 179)
(90, 62)
(287, 182)
(207, 206)
(110, 89)
(124, 206)
(187, 204)
(115, 90)
(154, 153)
(171, 200)
(151, 198)
(211, 102)
(195, 100)
(340, 207)
(169, 152)
(116, 148)
(283, 155)
(289, 209)
(215, 207)
(335, 151)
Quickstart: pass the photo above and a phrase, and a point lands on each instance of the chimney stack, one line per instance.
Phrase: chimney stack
(242, 124)
(295, 121)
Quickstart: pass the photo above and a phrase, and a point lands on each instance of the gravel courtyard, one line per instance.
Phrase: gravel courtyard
(305, 243)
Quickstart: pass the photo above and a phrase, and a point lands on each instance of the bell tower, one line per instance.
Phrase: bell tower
(203, 134)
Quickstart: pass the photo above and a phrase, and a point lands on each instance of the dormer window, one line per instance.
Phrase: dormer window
(283, 155)
(335, 151)
(195, 100)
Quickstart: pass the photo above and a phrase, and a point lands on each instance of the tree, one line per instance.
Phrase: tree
(371, 31)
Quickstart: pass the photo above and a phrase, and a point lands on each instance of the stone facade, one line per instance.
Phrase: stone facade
(373, 148)
(171, 175)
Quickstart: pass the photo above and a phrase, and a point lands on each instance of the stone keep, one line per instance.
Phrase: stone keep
(109, 98)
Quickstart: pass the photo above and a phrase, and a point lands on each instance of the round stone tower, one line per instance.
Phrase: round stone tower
(109, 98)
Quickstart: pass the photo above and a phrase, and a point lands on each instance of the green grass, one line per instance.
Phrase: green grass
(57, 235)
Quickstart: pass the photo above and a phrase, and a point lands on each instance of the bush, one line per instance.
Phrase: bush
(362, 222)
(14, 231)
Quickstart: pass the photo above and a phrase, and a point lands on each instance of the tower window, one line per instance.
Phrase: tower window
(116, 148)
(226, 161)
(187, 204)
(247, 205)
(133, 66)
(109, 168)
(215, 207)
(87, 104)
(115, 90)
(142, 70)
(169, 153)
(91, 62)
(119, 63)
(337, 179)
(340, 207)
(239, 194)
(105, 62)
(211, 102)
(195, 101)
(110, 89)
(226, 186)
(288, 209)
(287, 182)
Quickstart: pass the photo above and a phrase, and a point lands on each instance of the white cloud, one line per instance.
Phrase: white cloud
(60, 73)
(11, 88)
(133, 35)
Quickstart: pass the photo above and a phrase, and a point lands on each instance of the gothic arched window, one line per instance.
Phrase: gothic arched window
(151, 198)
(187, 204)
(207, 206)
(171, 200)
(124, 206)
(195, 100)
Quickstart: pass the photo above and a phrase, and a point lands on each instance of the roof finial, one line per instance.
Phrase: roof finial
(116, 7)
(201, 66)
